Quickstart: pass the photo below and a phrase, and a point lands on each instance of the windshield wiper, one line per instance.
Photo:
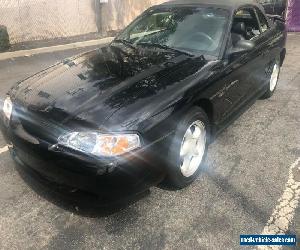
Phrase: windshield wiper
(125, 42)
(164, 47)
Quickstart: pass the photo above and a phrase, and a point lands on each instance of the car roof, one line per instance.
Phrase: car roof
(229, 4)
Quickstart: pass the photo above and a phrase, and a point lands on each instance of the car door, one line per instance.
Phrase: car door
(264, 50)
(259, 60)
(242, 73)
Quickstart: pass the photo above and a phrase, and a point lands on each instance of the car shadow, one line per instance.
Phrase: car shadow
(75, 201)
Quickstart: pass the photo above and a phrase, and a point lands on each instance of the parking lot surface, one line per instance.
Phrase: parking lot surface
(246, 174)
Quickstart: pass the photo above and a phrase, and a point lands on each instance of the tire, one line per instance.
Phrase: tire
(272, 85)
(180, 176)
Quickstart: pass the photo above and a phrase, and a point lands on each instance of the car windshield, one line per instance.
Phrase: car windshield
(189, 29)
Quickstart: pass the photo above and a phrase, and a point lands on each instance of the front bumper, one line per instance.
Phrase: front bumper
(109, 179)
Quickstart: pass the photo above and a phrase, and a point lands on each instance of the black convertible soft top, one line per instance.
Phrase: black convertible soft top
(229, 4)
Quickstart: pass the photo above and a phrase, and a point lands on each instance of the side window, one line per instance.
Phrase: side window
(245, 25)
(264, 26)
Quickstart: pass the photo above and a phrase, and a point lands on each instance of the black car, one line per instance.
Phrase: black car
(142, 110)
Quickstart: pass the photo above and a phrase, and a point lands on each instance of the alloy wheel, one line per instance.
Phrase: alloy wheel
(274, 77)
(192, 148)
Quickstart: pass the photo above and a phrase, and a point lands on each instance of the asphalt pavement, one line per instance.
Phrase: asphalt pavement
(246, 175)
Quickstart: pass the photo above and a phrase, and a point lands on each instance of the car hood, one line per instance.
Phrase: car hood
(106, 87)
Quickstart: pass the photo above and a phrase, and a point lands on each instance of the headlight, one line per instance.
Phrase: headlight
(100, 144)
(7, 107)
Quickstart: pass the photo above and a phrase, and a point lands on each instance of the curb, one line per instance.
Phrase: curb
(26, 53)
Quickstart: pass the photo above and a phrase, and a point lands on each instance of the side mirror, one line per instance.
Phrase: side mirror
(242, 47)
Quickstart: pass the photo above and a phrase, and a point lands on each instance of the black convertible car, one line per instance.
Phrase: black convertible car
(142, 110)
